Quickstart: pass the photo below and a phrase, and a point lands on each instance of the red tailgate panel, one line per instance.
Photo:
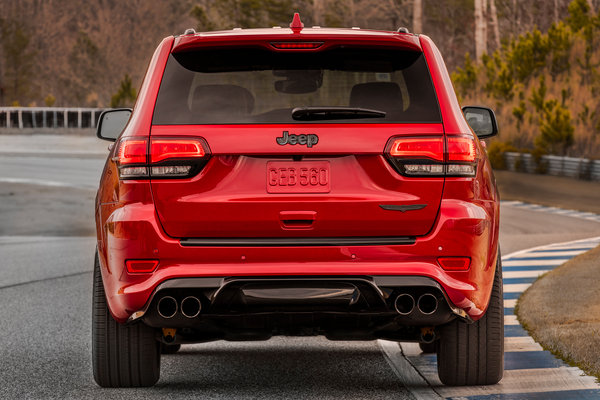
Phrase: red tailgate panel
(251, 181)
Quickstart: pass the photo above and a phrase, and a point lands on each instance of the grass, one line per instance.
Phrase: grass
(561, 311)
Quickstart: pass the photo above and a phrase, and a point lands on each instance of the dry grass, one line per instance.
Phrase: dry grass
(561, 311)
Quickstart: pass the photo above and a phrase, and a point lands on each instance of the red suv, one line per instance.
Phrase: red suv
(297, 181)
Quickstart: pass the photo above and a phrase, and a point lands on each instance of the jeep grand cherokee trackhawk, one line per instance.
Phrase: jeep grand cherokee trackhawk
(301, 181)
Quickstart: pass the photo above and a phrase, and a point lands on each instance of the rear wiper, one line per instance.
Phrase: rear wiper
(323, 113)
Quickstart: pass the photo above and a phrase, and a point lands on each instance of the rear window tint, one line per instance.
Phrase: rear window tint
(248, 85)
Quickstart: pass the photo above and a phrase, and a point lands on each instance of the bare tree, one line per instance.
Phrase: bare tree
(591, 4)
(494, 19)
(417, 25)
(352, 12)
(480, 29)
(317, 11)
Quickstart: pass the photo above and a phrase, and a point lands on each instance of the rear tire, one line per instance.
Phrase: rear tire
(122, 356)
(473, 354)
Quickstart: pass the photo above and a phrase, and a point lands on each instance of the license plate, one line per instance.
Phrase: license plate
(298, 177)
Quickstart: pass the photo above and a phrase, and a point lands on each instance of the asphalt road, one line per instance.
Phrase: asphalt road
(45, 297)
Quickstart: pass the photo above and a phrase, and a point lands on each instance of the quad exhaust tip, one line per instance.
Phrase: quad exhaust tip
(404, 304)
(167, 307)
(190, 307)
(427, 303)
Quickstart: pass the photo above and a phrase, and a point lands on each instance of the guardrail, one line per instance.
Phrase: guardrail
(49, 117)
(581, 168)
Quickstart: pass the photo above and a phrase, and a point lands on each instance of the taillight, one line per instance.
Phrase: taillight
(163, 149)
(161, 158)
(296, 45)
(433, 156)
(431, 148)
(133, 151)
(461, 149)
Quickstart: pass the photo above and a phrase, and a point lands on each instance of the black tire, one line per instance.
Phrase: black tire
(428, 348)
(170, 348)
(122, 356)
(473, 354)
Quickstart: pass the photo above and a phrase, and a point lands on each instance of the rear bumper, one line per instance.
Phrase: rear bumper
(132, 231)
(339, 307)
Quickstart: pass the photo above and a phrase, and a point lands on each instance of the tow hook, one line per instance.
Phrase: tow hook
(169, 335)
(427, 334)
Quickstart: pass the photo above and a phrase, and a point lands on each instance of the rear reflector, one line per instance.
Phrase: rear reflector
(141, 266)
(455, 263)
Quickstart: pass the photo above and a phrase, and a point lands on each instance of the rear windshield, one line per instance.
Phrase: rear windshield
(247, 86)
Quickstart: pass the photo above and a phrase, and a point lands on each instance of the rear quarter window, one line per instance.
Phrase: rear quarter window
(249, 86)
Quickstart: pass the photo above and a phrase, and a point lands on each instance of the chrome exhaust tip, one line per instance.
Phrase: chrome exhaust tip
(404, 304)
(190, 307)
(427, 303)
(167, 307)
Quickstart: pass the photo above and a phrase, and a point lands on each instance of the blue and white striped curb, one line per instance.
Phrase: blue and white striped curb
(553, 210)
(529, 371)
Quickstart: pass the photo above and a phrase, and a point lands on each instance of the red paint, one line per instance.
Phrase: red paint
(296, 24)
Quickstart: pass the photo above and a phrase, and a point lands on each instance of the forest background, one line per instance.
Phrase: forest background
(536, 62)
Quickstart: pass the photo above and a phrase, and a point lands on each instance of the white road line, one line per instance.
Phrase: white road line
(564, 211)
(539, 380)
(523, 274)
(409, 376)
(566, 253)
(420, 373)
(553, 210)
(582, 243)
(516, 287)
(510, 303)
(586, 245)
(521, 343)
(511, 202)
(529, 263)
(43, 182)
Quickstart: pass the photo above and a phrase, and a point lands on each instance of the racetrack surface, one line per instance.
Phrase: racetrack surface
(45, 318)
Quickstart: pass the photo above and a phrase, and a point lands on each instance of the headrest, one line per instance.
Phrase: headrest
(384, 96)
(222, 99)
